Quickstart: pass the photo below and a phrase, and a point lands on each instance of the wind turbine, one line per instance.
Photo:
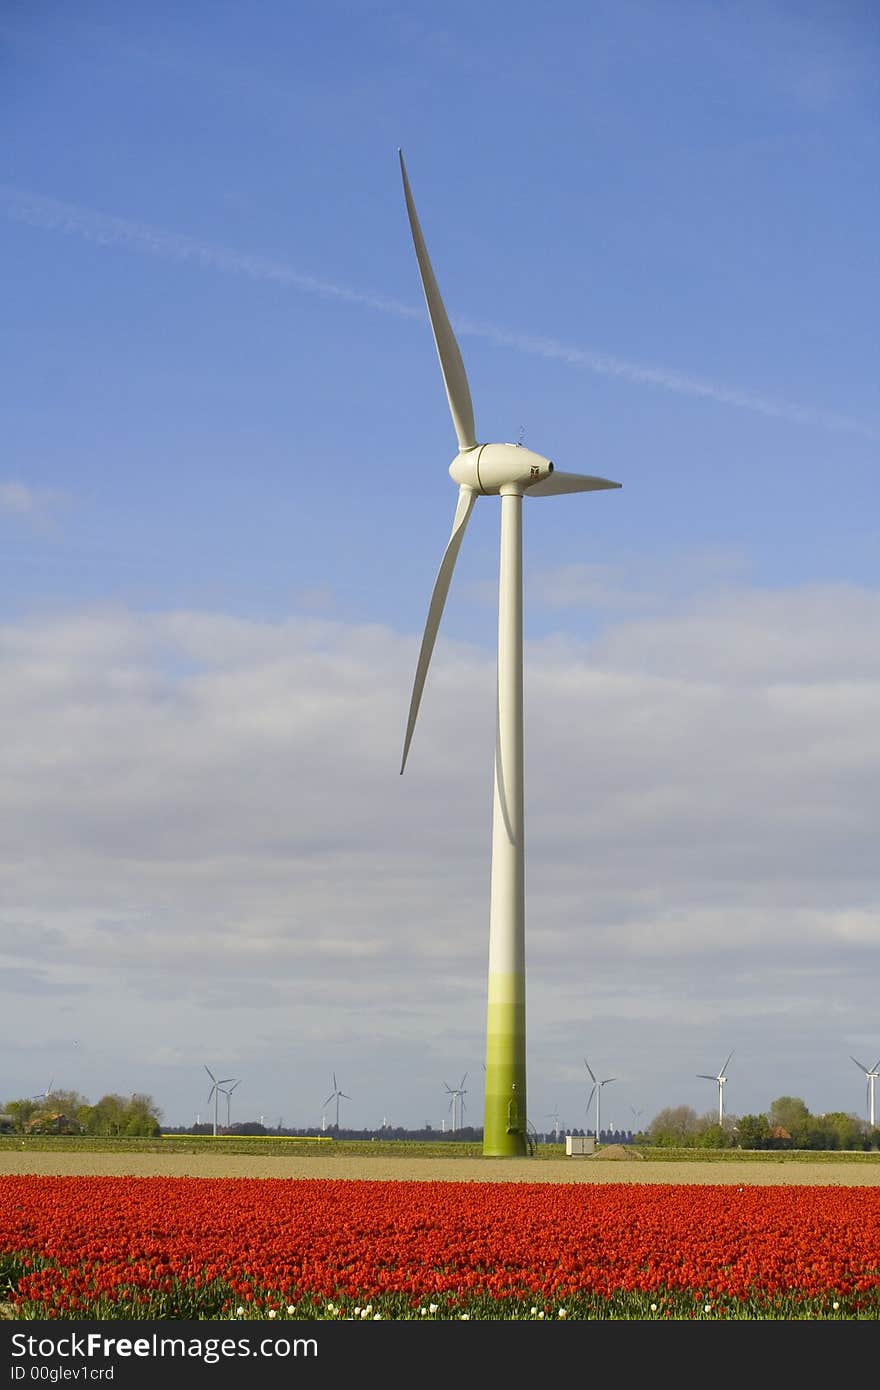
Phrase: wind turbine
(871, 1074)
(510, 472)
(336, 1095)
(228, 1095)
(215, 1093)
(44, 1095)
(458, 1093)
(597, 1092)
(720, 1078)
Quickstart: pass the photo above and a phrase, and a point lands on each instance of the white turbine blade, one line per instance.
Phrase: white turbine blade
(556, 483)
(858, 1064)
(724, 1068)
(454, 377)
(466, 499)
(876, 1064)
(704, 1076)
(344, 1096)
(590, 1070)
(607, 1079)
(210, 1073)
(589, 1098)
(463, 1080)
(332, 1096)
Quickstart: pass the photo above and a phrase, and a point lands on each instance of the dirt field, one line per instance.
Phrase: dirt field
(611, 1165)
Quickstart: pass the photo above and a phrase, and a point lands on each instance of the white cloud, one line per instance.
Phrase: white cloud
(36, 508)
(636, 583)
(208, 854)
(17, 499)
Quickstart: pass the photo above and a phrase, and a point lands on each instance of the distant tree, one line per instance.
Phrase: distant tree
(791, 1114)
(674, 1128)
(788, 1111)
(70, 1113)
(141, 1117)
(68, 1103)
(107, 1116)
(21, 1112)
(55, 1113)
(712, 1136)
(839, 1131)
(753, 1132)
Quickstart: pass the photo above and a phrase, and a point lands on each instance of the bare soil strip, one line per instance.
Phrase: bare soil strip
(609, 1167)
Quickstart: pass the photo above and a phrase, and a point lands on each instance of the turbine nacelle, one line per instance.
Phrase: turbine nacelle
(487, 468)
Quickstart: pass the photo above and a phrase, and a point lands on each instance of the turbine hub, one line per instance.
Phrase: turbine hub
(487, 468)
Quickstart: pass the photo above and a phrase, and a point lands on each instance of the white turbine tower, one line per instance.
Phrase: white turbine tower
(458, 1094)
(720, 1078)
(510, 472)
(336, 1095)
(597, 1092)
(871, 1074)
(214, 1093)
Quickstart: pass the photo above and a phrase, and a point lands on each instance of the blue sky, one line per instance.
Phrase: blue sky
(224, 494)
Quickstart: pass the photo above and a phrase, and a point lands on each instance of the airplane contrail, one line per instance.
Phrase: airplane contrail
(51, 214)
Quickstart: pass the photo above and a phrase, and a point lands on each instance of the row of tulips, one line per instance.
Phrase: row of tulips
(199, 1248)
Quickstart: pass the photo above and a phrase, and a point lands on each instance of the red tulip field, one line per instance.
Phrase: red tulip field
(231, 1248)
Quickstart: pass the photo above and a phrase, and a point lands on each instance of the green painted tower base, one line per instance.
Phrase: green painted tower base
(505, 1124)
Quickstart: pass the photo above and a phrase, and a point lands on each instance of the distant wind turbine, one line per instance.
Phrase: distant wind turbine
(227, 1091)
(44, 1095)
(508, 472)
(214, 1093)
(720, 1078)
(871, 1074)
(336, 1095)
(597, 1092)
(458, 1094)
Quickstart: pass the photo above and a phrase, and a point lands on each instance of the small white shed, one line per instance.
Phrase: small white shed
(579, 1145)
